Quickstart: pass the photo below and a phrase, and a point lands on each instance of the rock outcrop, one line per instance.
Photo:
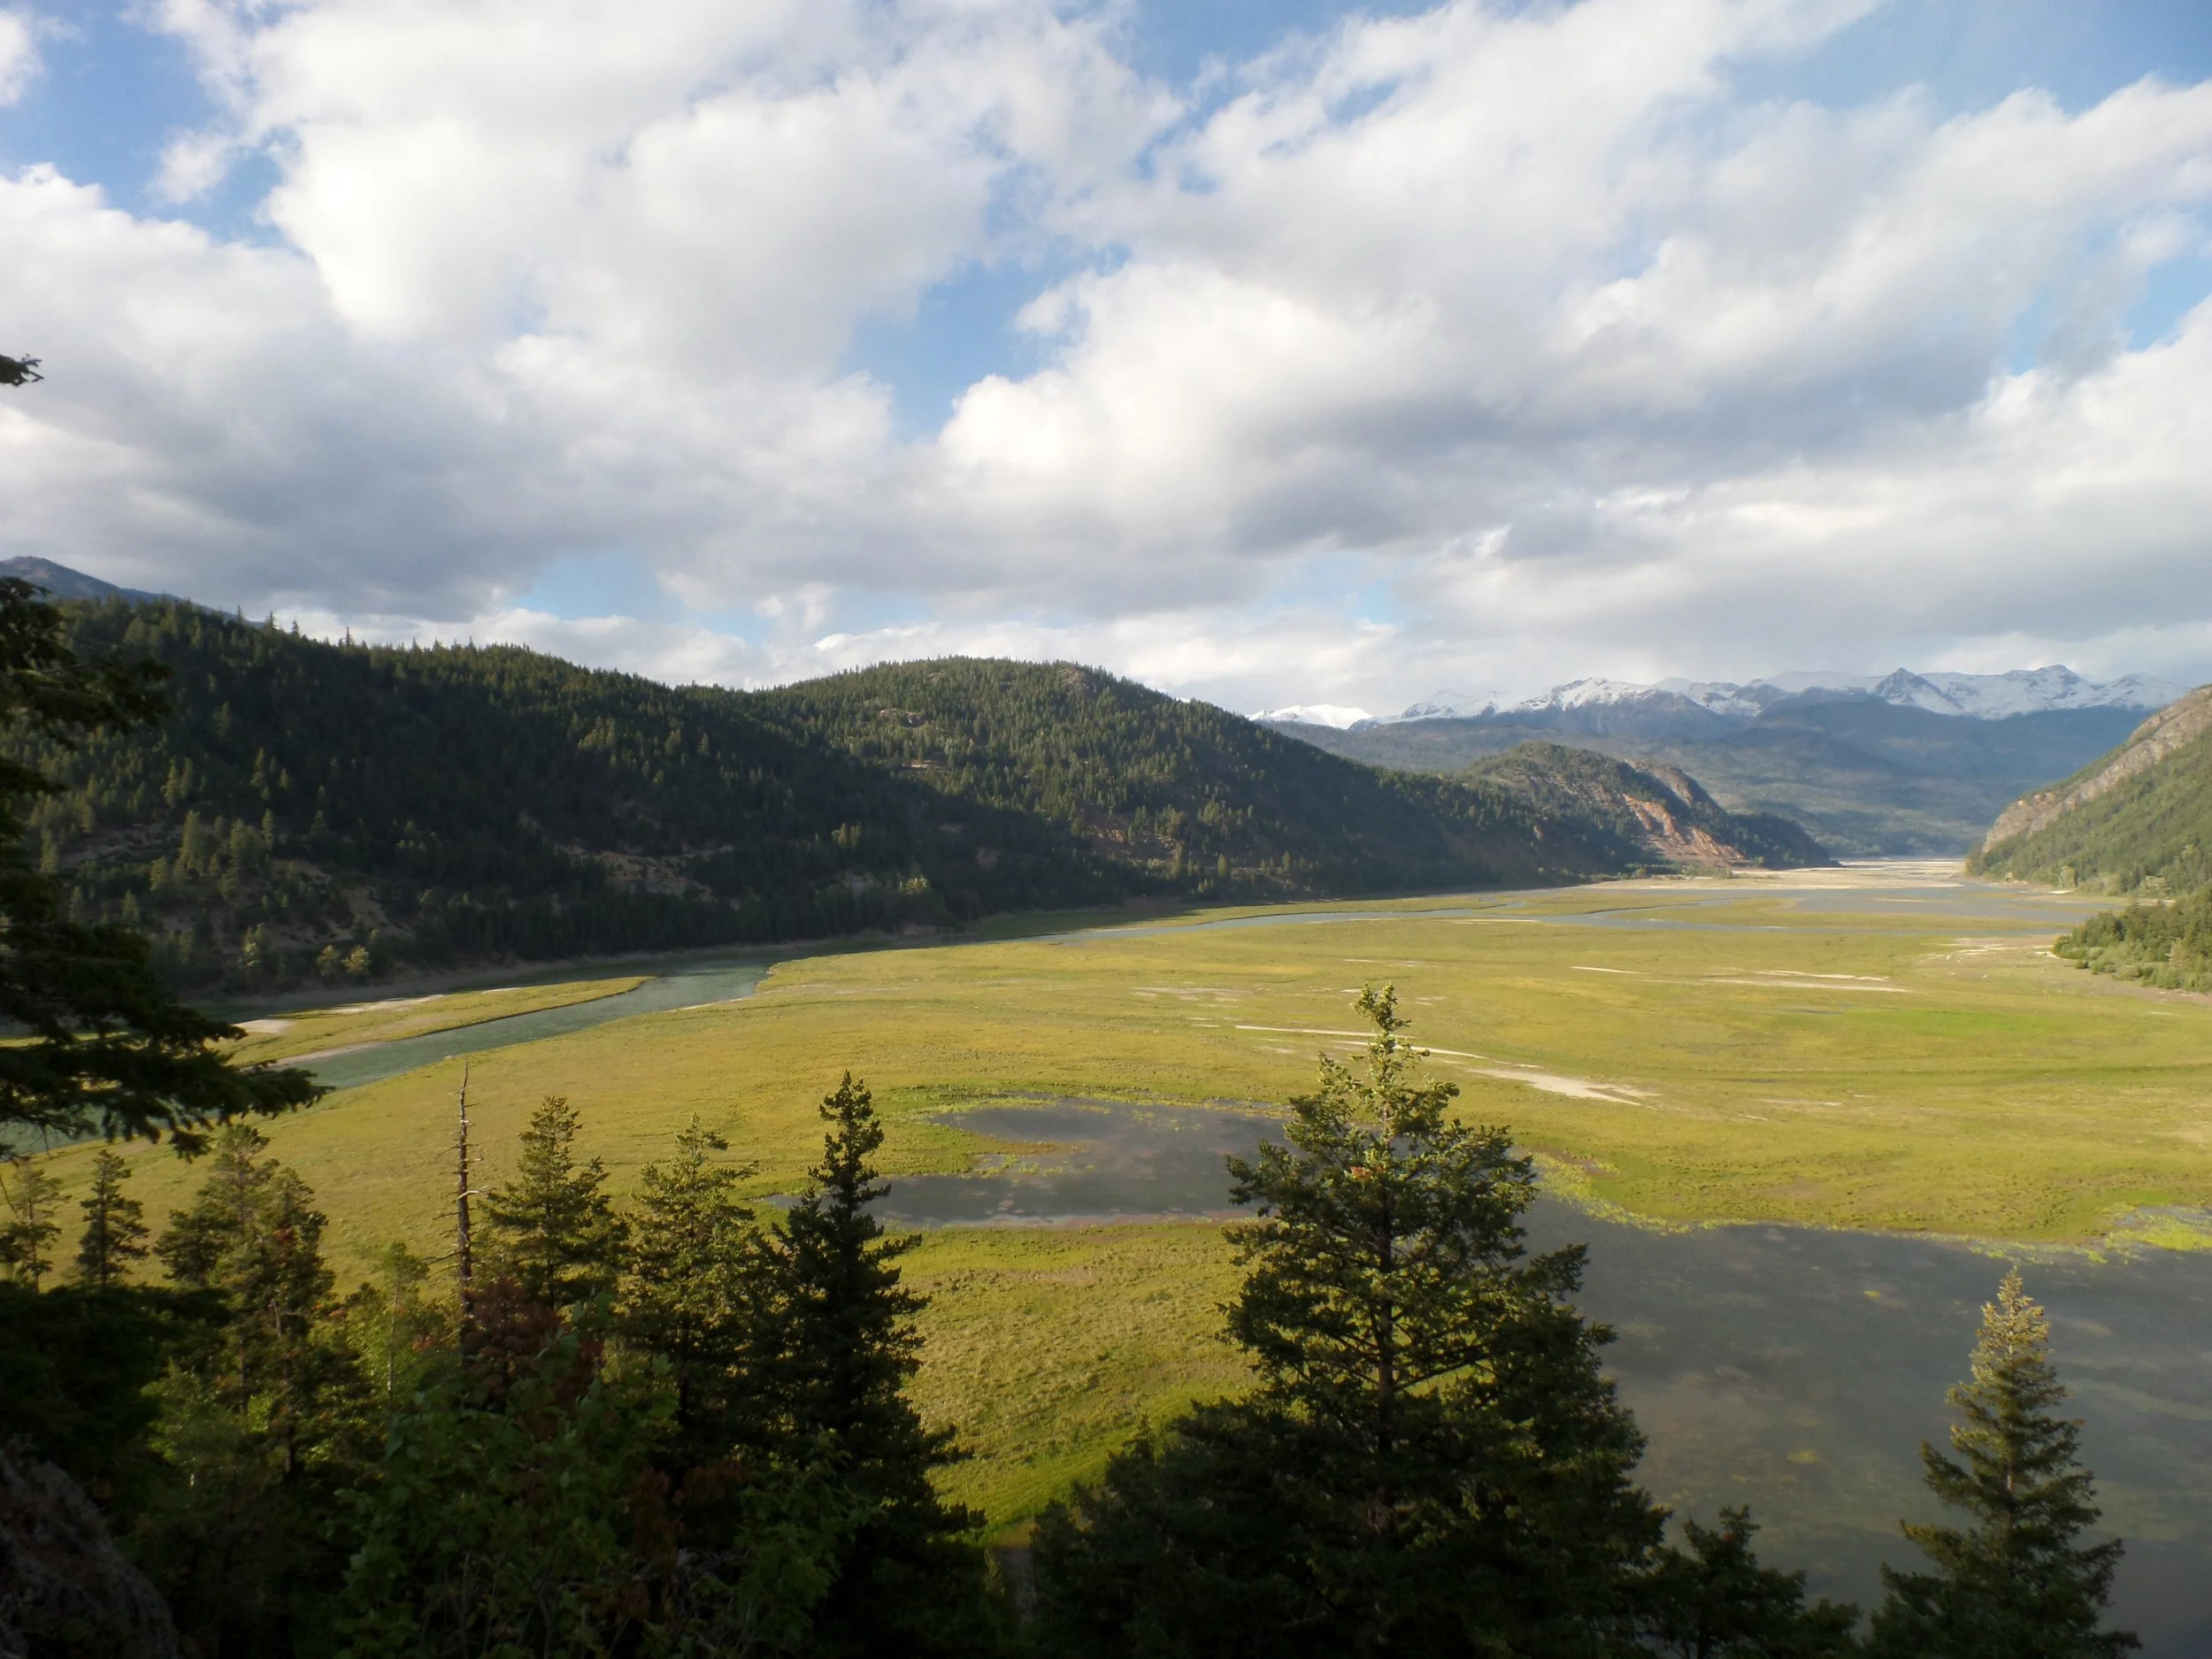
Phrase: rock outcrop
(66, 1592)
(2179, 723)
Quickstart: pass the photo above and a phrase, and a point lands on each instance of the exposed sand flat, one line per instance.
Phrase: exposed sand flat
(1795, 982)
(1572, 1088)
(386, 1006)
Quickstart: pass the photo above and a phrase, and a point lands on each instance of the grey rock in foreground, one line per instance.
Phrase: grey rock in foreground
(66, 1592)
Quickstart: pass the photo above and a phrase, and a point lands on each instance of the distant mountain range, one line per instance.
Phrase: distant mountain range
(1902, 764)
(1969, 697)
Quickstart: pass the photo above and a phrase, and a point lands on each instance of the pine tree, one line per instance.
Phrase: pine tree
(29, 1230)
(1431, 1462)
(1714, 1601)
(253, 1235)
(516, 1513)
(2016, 1583)
(106, 1045)
(265, 1419)
(114, 1224)
(553, 1229)
(841, 1348)
(689, 1294)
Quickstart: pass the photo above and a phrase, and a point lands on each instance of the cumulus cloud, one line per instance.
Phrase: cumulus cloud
(1575, 357)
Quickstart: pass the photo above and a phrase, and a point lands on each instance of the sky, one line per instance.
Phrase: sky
(1268, 353)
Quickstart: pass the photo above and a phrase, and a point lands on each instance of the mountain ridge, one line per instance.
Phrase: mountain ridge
(2137, 817)
(1867, 778)
(1969, 697)
(322, 809)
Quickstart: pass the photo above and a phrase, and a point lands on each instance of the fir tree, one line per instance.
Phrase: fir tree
(114, 1224)
(28, 1232)
(105, 1044)
(2017, 1582)
(1714, 1601)
(554, 1232)
(1431, 1462)
(688, 1293)
(253, 1236)
(841, 1348)
(266, 1419)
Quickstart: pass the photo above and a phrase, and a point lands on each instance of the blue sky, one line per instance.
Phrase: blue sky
(1275, 353)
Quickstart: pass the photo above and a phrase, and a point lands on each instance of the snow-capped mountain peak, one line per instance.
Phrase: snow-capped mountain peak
(1450, 705)
(1337, 715)
(1938, 691)
(1579, 694)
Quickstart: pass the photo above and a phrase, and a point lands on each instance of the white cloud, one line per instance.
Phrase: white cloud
(1580, 361)
(20, 60)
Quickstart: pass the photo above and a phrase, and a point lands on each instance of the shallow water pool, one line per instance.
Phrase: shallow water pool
(1791, 1369)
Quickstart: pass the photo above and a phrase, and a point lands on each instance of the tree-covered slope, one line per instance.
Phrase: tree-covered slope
(1184, 792)
(1657, 814)
(464, 803)
(2138, 817)
(312, 808)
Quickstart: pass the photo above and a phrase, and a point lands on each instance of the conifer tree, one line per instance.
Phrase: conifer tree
(114, 1224)
(554, 1232)
(29, 1230)
(254, 1235)
(515, 1515)
(841, 1348)
(1431, 1462)
(105, 1043)
(265, 1418)
(2017, 1582)
(688, 1293)
(1714, 1601)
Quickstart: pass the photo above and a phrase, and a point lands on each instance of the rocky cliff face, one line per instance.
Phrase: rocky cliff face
(66, 1592)
(2179, 723)
(1658, 814)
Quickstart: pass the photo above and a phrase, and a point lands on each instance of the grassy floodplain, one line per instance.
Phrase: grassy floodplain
(1682, 1052)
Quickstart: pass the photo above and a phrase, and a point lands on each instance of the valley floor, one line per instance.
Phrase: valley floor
(1883, 1048)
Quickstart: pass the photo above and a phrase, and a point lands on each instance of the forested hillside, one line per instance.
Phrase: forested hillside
(311, 809)
(2135, 821)
(1184, 792)
(341, 806)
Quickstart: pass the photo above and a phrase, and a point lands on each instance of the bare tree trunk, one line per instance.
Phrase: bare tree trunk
(465, 1263)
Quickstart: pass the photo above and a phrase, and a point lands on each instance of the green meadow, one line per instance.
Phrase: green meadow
(1842, 1049)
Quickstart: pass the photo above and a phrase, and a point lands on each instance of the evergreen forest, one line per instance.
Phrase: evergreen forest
(682, 1427)
(310, 810)
(2164, 944)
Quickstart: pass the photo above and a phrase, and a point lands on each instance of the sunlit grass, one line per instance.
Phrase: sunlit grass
(1836, 1069)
